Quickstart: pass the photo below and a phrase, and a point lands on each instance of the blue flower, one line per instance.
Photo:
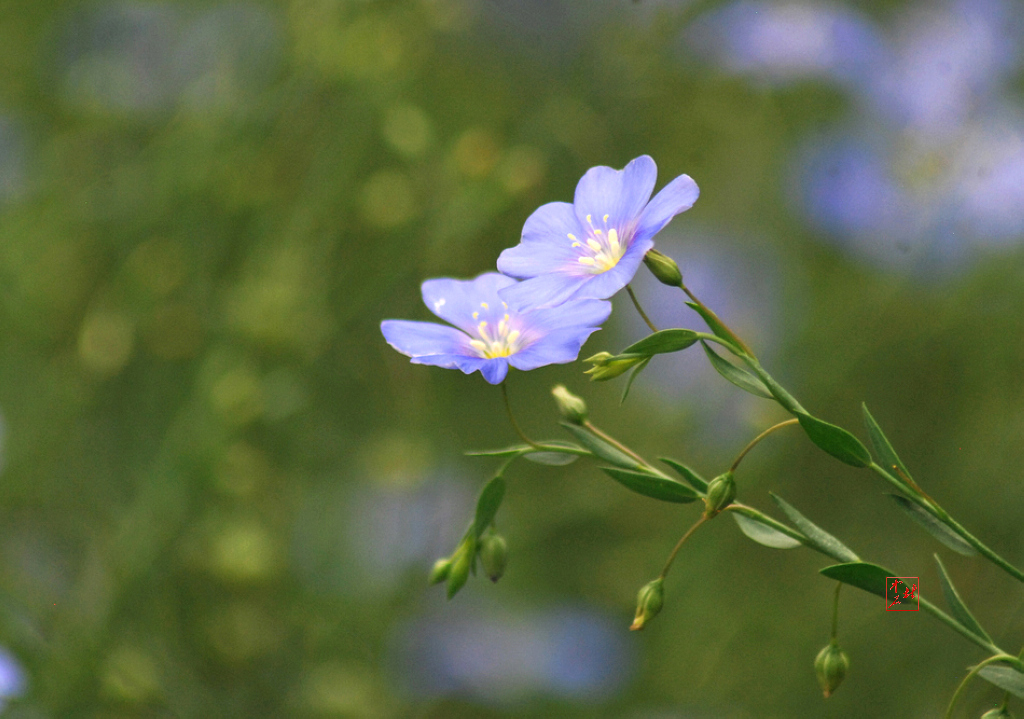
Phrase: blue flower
(592, 248)
(490, 335)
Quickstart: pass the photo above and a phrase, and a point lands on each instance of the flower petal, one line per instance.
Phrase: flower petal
(606, 284)
(456, 300)
(575, 314)
(418, 339)
(546, 246)
(461, 362)
(494, 370)
(543, 291)
(621, 194)
(559, 347)
(675, 197)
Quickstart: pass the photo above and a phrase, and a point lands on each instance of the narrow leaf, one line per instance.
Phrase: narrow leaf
(934, 527)
(672, 340)
(741, 378)
(1005, 678)
(487, 505)
(880, 443)
(818, 537)
(836, 441)
(763, 534)
(600, 448)
(695, 480)
(555, 459)
(956, 605)
(506, 452)
(629, 382)
(715, 324)
(863, 575)
(649, 485)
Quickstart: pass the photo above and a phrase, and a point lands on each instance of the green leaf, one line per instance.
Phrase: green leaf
(880, 443)
(555, 459)
(818, 537)
(650, 485)
(716, 326)
(956, 605)
(741, 378)
(629, 382)
(863, 575)
(672, 340)
(600, 448)
(763, 534)
(934, 527)
(1006, 678)
(487, 505)
(506, 452)
(836, 441)
(695, 480)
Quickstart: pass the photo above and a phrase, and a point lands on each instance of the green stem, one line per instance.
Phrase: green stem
(835, 612)
(971, 675)
(636, 303)
(679, 545)
(512, 418)
(758, 438)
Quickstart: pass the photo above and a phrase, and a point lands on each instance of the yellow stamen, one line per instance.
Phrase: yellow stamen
(575, 244)
(605, 219)
(613, 239)
(478, 346)
(587, 260)
(476, 315)
(589, 221)
(572, 237)
(594, 245)
(485, 305)
(512, 336)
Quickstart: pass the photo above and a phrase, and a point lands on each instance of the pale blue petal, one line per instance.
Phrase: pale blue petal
(558, 347)
(675, 197)
(620, 194)
(575, 314)
(606, 284)
(546, 246)
(494, 370)
(543, 291)
(456, 300)
(418, 339)
(468, 365)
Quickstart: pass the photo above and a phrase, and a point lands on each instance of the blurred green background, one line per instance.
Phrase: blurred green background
(221, 490)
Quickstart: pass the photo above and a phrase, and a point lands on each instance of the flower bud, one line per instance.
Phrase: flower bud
(997, 713)
(607, 366)
(721, 492)
(440, 571)
(572, 408)
(462, 561)
(664, 268)
(830, 666)
(493, 555)
(648, 603)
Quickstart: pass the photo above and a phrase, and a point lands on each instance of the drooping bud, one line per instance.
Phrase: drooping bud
(997, 713)
(607, 366)
(493, 555)
(648, 603)
(664, 268)
(830, 665)
(462, 561)
(440, 571)
(721, 492)
(572, 408)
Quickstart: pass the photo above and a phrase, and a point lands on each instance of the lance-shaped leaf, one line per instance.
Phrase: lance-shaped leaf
(763, 534)
(716, 326)
(863, 575)
(487, 505)
(554, 459)
(956, 605)
(880, 443)
(672, 340)
(632, 376)
(601, 448)
(934, 527)
(816, 536)
(506, 452)
(741, 378)
(651, 485)
(836, 441)
(1006, 678)
(695, 480)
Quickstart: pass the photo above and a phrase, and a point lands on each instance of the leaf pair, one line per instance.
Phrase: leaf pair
(766, 531)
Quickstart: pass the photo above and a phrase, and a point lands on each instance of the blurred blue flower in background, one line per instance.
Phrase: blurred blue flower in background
(13, 680)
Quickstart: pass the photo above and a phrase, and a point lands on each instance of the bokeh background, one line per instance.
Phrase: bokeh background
(221, 491)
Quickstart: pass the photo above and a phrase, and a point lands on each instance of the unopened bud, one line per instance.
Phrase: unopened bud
(664, 268)
(461, 563)
(648, 603)
(572, 408)
(493, 555)
(721, 492)
(830, 666)
(608, 366)
(997, 713)
(440, 571)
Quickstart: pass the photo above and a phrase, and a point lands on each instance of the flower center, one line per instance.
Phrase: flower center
(602, 249)
(500, 341)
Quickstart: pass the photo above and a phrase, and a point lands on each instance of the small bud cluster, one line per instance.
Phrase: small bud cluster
(608, 366)
(492, 551)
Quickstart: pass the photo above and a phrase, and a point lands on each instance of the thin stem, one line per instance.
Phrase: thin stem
(971, 675)
(758, 438)
(679, 545)
(835, 612)
(636, 303)
(616, 443)
(512, 419)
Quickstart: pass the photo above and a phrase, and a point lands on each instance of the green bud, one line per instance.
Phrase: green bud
(648, 603)
(997, 713)
(462, 562)
(572, 408)
(721, 492)
(664, 268)
(440, 571)
(830, 666)
(493, 555)
(608, 366)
